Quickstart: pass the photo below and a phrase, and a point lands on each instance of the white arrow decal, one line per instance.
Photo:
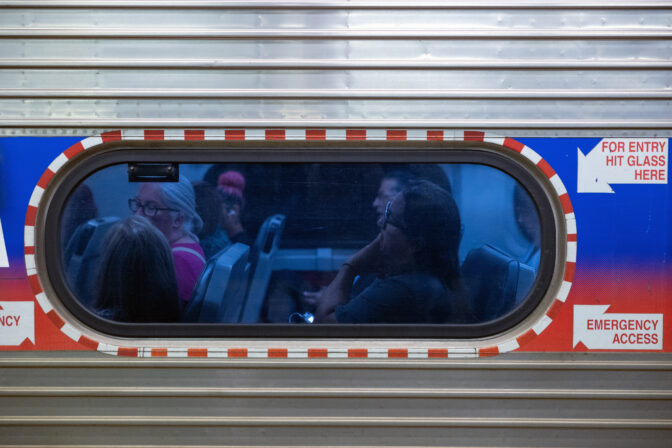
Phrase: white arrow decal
(4, 260)
(17, 322)
(622, 161)
(625, 331)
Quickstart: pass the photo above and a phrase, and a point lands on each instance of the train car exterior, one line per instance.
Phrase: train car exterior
(571, 100)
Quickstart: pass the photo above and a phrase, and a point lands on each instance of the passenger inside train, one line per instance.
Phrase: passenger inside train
(273, 243)
(212, 238)
(231, 186)
(414, 258)
(136, 280)
(390, 185)
(171, 208)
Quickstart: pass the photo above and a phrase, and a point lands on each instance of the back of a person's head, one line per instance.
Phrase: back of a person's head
(208, 207)
(433, 173)
(433, 222)
(180, 196)
(403, 178)
(231, 186)
(136, 281)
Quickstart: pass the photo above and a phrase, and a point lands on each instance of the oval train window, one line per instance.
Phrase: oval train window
(337, 243)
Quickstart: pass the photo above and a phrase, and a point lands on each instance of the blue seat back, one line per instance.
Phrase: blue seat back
(220, 291)
(261, 266)
(82, 257)
(491, 279)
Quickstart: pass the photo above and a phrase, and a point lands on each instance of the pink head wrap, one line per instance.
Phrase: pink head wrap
(232, 183)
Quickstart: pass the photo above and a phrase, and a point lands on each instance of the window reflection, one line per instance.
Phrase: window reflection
(137, 278)
(263, 243)
(412, 261)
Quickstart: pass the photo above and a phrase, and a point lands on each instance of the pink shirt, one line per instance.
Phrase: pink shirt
(189, 261)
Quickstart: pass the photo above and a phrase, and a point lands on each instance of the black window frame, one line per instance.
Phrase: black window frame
(85, 164)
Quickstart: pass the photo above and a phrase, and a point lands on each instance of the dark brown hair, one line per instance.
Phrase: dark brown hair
(433, 220)
(136, 279)
(208, 206)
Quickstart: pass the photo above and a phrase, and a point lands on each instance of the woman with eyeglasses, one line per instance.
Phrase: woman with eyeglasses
(171, 208)
(415, 259)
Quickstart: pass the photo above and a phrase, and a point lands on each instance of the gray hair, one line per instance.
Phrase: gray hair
(180, 196)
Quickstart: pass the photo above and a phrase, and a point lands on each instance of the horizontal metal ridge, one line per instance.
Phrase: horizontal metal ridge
(606, 33)
(219, 445)
(338, 4)
(420, 422)
(100, 361)
(261, 444)
(382, 94)
(314, 392)
(197, 123)
(338, 64)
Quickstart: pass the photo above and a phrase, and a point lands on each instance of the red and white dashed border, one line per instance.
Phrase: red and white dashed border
(312, 135)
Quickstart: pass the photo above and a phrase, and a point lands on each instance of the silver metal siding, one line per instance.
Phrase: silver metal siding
(564, 68)
(510, 400)
(519, 68)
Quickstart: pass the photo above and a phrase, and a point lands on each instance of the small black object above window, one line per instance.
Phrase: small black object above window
(153, 172)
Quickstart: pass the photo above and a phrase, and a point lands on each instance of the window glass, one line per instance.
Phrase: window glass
(279, 243)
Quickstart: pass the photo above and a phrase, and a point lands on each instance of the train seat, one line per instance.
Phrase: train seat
(82, 256)
(261, 265)
(526, 277)
(491, 278)
(220, 290)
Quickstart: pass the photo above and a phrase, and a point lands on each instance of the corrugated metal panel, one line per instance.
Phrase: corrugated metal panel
(520, 68)
(511, 400)
(523, 68)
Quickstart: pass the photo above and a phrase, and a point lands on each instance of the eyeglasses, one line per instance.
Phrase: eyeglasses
(389, 220)
(148, 208)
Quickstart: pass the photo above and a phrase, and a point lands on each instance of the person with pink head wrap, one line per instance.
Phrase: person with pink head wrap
(231, 185)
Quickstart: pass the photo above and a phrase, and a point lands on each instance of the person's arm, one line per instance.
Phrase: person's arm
(338, 291)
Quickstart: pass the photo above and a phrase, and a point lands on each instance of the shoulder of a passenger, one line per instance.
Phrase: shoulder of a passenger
(188, 252)
(399, 284)
(421, 283)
